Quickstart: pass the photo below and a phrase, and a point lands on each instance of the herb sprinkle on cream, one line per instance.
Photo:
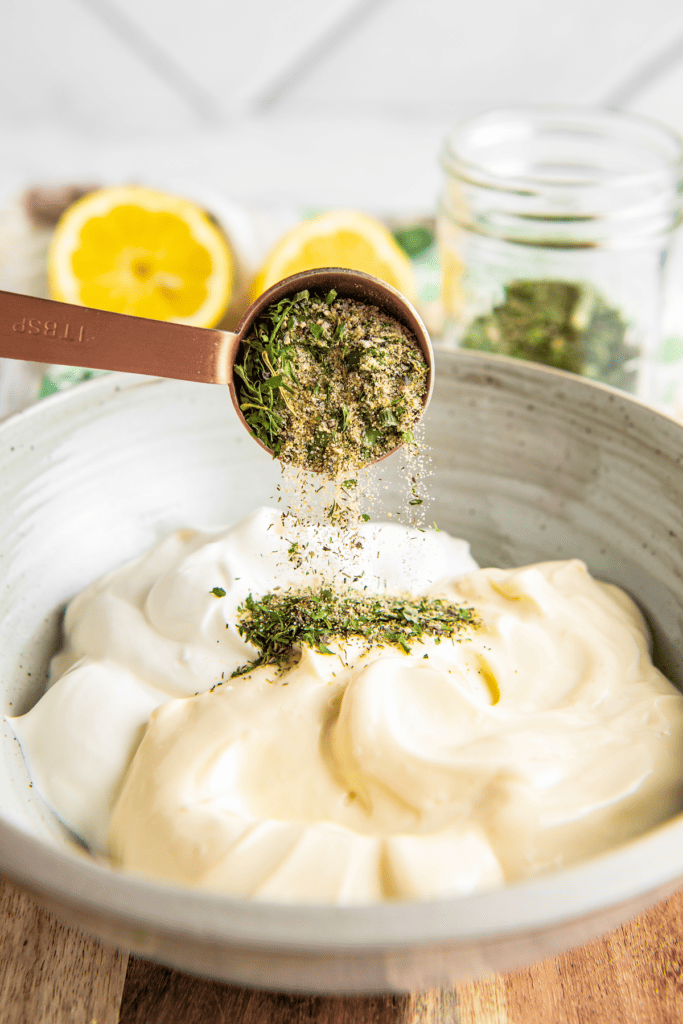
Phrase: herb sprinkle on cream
(279, 624)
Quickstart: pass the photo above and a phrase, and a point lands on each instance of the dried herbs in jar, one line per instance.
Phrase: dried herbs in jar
(562, 324)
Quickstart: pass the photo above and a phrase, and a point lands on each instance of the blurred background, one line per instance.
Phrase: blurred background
(285, 109)
(315, 102)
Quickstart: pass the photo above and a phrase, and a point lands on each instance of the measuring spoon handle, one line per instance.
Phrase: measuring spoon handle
(46, 331)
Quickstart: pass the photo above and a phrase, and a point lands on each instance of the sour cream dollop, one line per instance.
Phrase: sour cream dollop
(542, 736)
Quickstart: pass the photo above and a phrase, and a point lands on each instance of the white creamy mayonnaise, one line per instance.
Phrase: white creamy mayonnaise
(537, 738)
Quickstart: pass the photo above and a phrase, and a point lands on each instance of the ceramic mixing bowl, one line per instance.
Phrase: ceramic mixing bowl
(529, 464)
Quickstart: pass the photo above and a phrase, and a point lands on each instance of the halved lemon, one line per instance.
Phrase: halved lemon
(135, 250)
(339, 238)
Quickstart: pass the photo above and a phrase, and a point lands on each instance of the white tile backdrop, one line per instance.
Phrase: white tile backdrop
(311, 101)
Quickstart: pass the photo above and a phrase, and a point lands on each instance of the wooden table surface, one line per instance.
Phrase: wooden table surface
(50, 974)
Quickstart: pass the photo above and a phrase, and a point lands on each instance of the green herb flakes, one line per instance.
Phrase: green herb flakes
(562, 324)
(280, 624)
(330, 384)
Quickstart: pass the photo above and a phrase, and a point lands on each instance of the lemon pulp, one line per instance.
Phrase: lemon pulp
(143, 252)
(339, 238)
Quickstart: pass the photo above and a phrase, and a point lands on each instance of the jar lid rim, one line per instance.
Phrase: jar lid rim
(522, 123)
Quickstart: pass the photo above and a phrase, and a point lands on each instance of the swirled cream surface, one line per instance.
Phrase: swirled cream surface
(536, 738)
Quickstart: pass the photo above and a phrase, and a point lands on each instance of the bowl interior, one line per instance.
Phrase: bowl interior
(528, 464)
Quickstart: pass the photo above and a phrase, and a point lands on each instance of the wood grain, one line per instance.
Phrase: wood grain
(634, 975)
(154, 994)
(51, 974)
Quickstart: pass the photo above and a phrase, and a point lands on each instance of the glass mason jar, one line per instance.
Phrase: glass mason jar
(554, 226)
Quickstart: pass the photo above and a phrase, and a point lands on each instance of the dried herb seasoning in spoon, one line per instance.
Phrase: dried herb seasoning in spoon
(330, 383)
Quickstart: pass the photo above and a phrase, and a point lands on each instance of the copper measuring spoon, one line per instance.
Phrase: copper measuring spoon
(46, 331)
